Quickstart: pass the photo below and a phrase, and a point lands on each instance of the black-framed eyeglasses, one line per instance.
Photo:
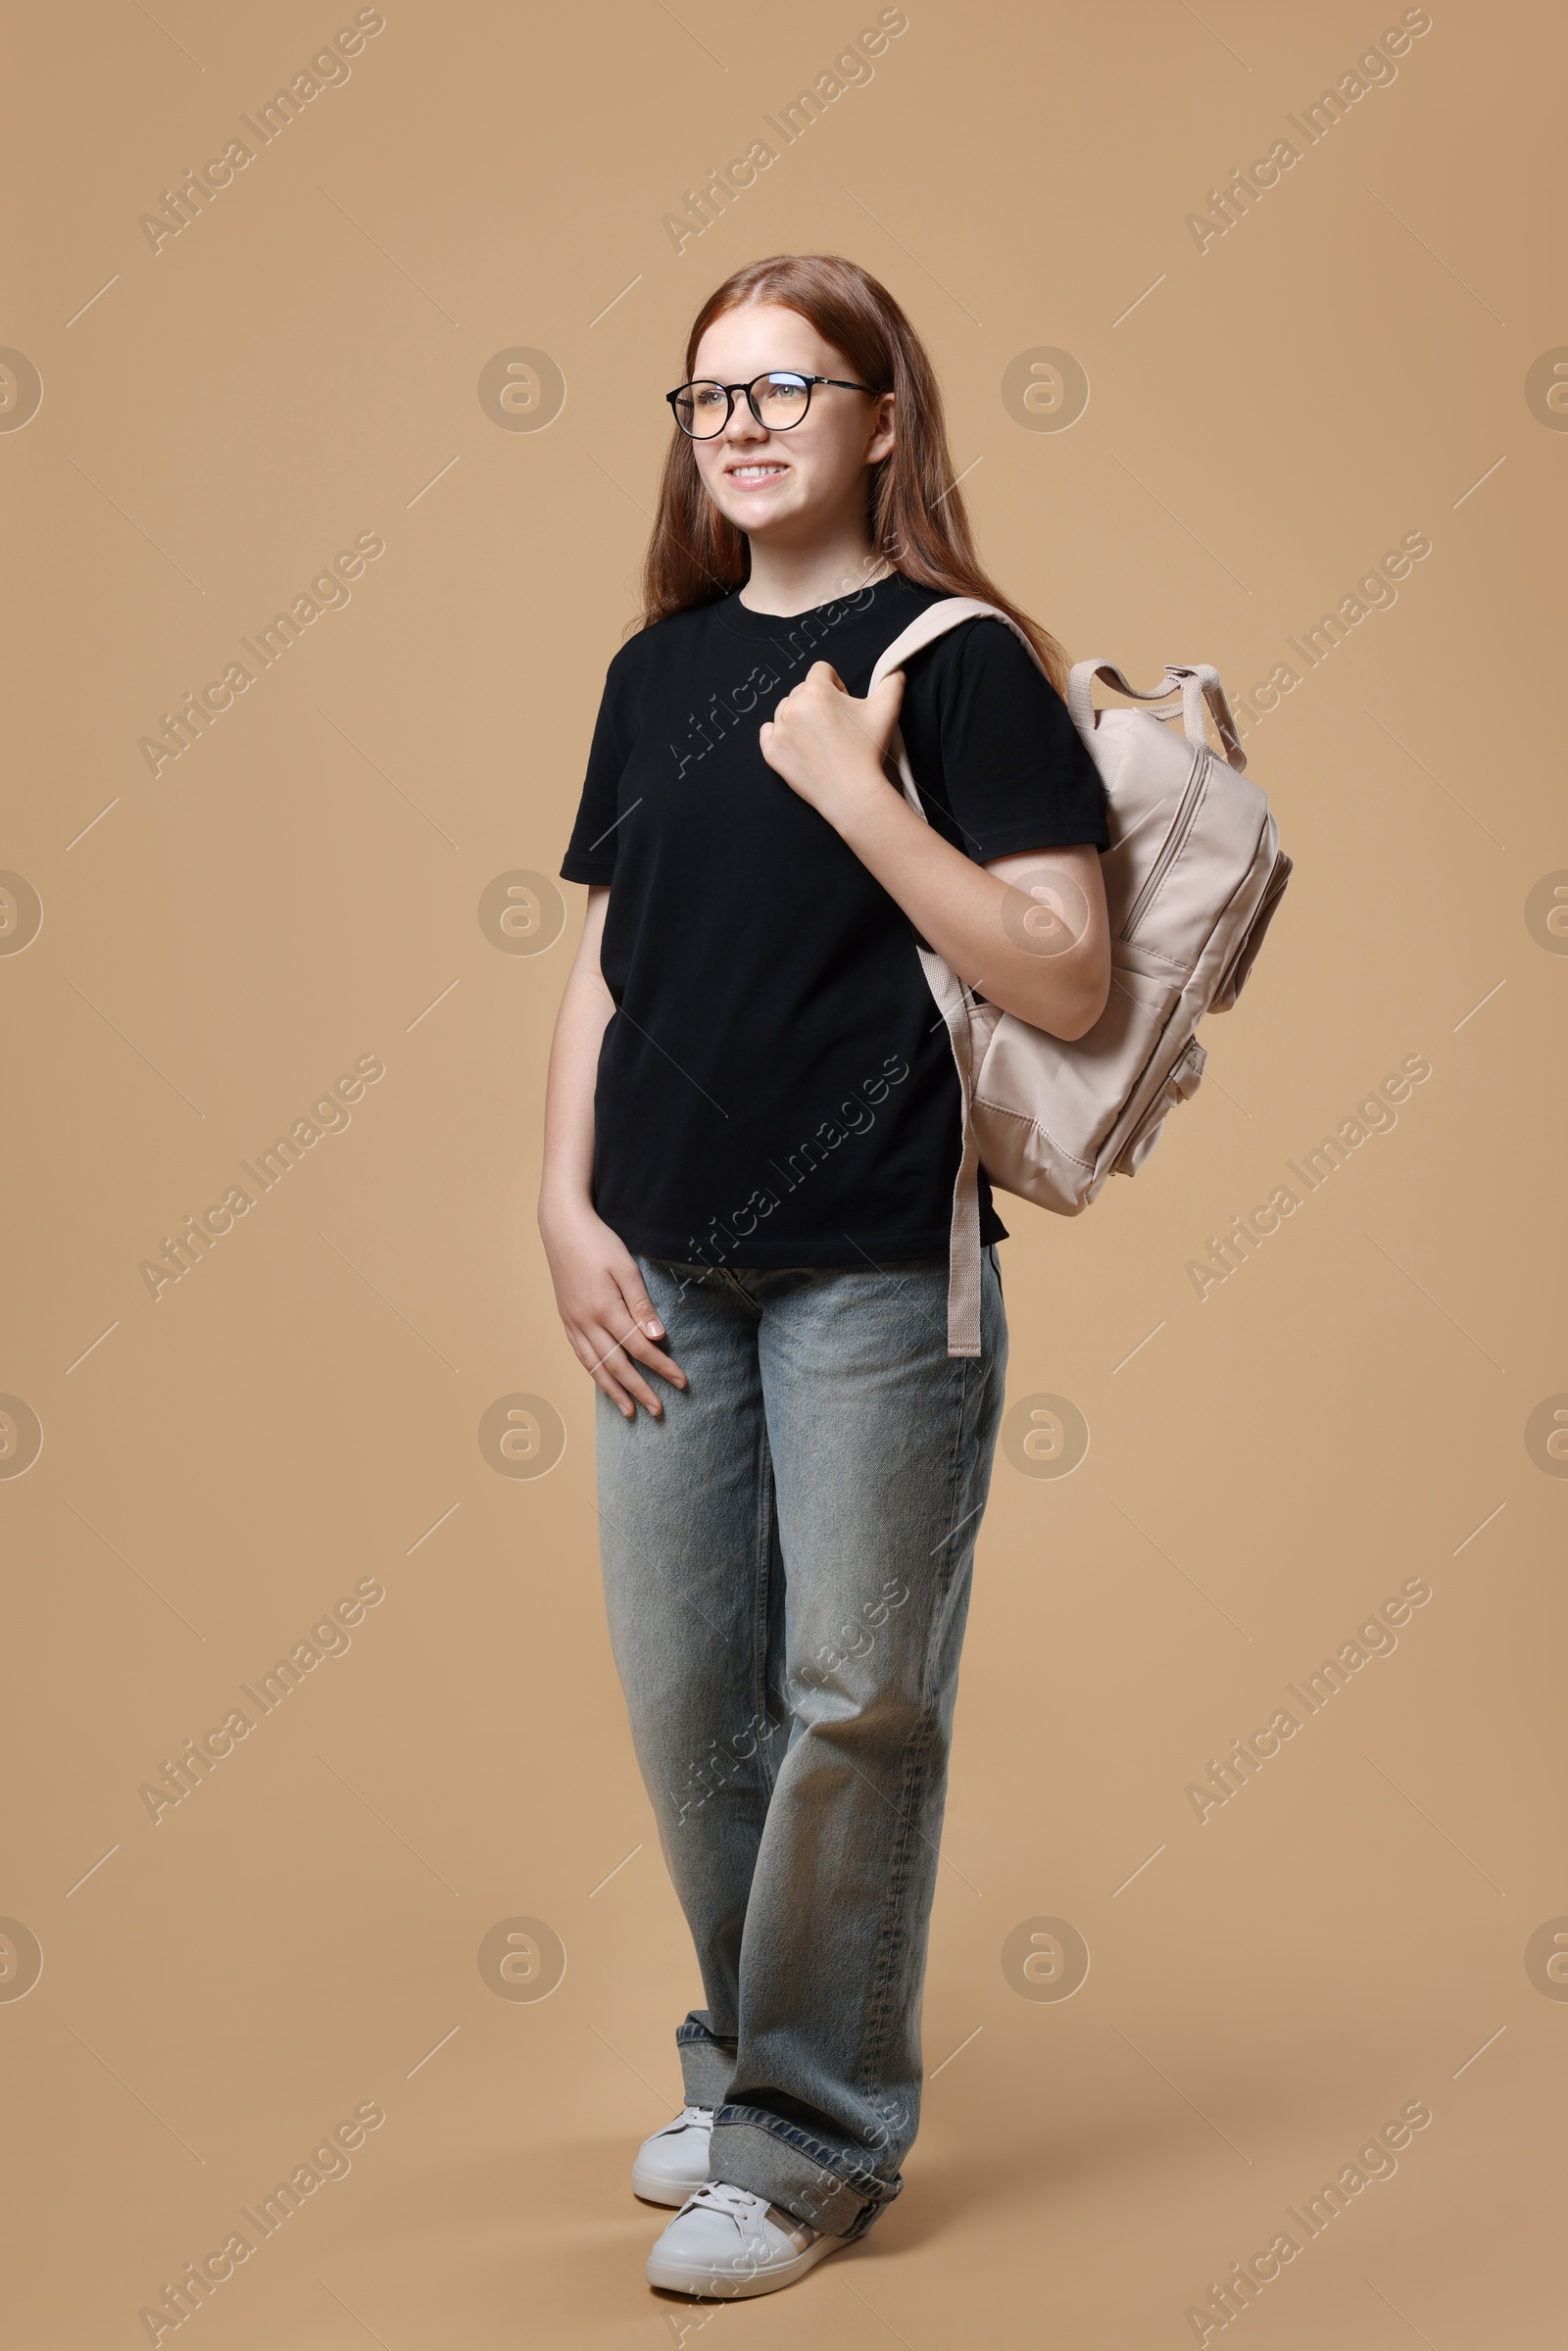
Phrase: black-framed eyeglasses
(777, 400)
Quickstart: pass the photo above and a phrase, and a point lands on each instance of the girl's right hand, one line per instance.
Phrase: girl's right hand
(609, 1316)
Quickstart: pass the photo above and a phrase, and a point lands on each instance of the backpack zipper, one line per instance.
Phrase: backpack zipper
(1175, 841)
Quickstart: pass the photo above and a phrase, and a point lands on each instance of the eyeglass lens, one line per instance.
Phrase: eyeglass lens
(781, 400)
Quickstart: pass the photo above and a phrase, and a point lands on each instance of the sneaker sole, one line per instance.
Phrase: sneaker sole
(658, 2187)
(688, 2278)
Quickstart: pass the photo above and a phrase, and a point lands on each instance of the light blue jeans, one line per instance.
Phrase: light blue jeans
(787, 1558)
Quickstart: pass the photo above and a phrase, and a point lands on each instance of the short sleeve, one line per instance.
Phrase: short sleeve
(990, 735)
(590, 851)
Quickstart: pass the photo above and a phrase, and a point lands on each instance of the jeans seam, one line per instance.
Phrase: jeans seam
(762, 1721)
(917, 1765)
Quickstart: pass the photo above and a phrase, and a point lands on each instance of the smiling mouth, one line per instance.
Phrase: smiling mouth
(748, 474)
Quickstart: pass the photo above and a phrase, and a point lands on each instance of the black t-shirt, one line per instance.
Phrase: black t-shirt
(776, 1086)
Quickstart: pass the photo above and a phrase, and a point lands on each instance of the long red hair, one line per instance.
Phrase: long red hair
(914, 511)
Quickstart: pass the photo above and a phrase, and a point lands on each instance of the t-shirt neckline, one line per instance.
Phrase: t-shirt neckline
(747, 622)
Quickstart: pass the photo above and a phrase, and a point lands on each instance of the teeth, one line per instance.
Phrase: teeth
(755, 472)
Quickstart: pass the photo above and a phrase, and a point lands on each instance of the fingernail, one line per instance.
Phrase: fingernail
(654, 1329)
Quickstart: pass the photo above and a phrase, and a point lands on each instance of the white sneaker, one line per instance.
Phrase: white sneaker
(673, 2163)
(727, 2242)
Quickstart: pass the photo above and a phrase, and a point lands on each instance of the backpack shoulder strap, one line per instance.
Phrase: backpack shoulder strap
(935, 621)
(952, 998)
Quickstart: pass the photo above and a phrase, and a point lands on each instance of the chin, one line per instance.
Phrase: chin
(751, 514)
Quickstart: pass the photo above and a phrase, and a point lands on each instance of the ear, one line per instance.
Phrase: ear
(884, 434)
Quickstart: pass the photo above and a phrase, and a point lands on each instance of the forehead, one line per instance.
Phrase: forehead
(760, 335)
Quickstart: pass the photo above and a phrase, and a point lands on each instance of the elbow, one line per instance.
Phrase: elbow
(1070, 1028)
(1064, 995)
(1066, 1018)
(1082, 1009)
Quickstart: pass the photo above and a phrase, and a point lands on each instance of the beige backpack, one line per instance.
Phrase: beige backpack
(1193, 876)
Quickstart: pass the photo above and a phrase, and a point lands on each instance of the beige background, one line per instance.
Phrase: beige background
(301, 365)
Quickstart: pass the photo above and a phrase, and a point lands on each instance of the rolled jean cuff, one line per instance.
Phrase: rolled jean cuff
(785, 2165)
(707, 2063)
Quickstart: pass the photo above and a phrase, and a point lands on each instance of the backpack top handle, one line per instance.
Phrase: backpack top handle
(1198, 683)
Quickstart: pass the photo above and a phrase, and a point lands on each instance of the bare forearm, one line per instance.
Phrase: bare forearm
(600, 1288)
(979, 922)
(1028, 931)
(586, 1009)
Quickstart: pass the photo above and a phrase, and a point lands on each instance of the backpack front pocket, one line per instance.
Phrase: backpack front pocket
(1074, 1092)
(1185, 1076)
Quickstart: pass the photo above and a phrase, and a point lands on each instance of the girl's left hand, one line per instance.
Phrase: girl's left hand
(826, 746)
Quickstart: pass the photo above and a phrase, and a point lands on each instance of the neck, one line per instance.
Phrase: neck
(784, 580)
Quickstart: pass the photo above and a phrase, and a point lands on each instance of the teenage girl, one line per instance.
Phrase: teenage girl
(751, 1138)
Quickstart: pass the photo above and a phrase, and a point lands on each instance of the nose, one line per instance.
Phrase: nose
(743, 426)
